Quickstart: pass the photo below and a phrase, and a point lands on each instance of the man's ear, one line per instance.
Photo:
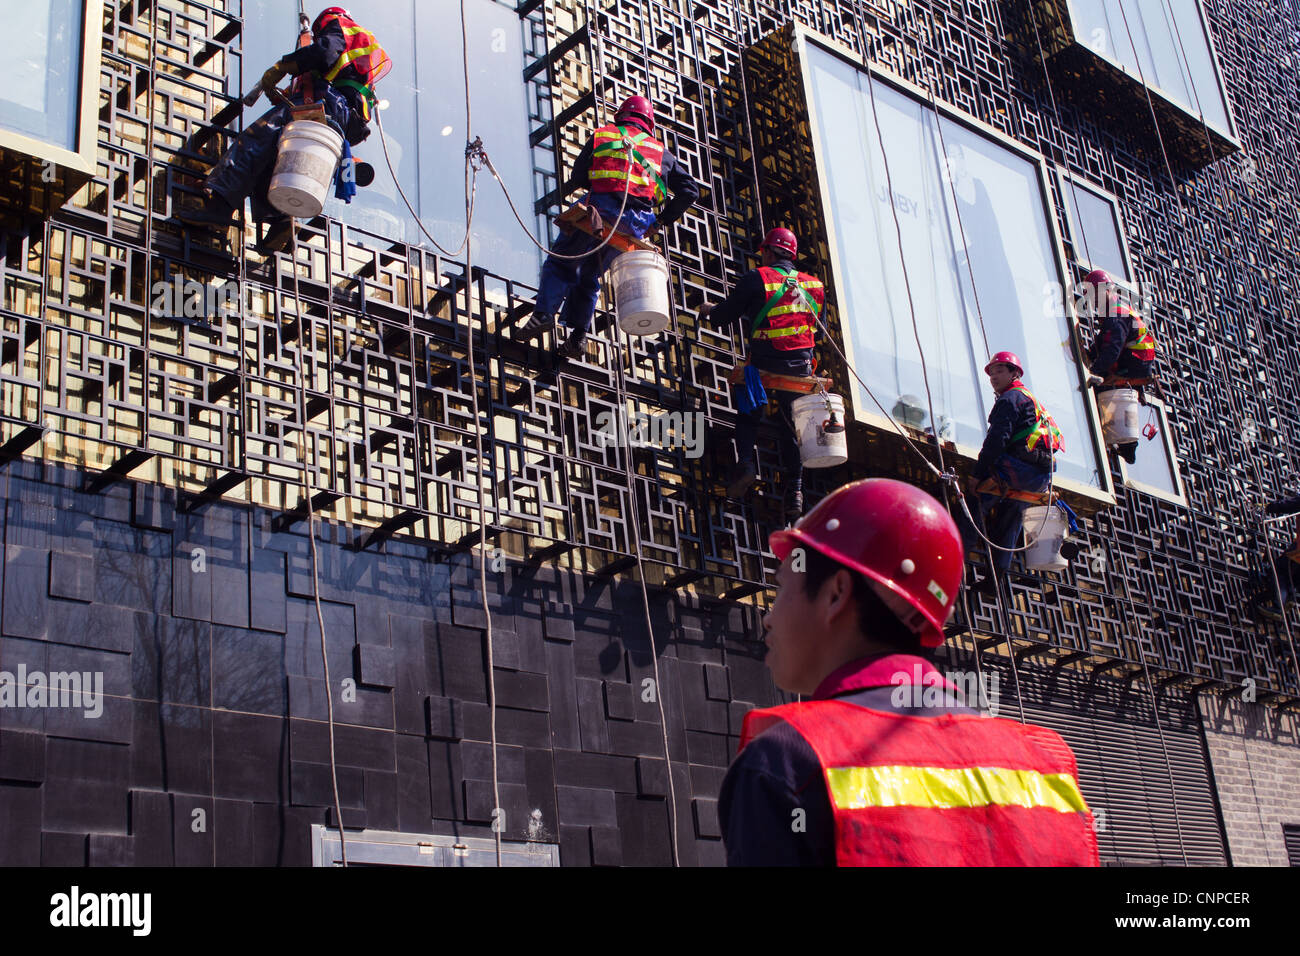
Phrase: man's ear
(838, 591)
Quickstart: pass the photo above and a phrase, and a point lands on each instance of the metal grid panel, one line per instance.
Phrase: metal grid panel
(375, 343)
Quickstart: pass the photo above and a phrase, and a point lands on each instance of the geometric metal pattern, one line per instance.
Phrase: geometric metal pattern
(369, 339)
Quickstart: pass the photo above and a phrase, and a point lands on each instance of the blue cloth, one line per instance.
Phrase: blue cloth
(751, 394)
(575, 284)
(345, 181)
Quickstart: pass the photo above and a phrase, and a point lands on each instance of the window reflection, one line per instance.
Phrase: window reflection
(1095, 230)
(425, 122)
(1169, 48)
(40, 95)
(1156, 468)
(999, 205)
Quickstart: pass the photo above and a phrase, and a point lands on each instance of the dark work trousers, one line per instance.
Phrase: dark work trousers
(1002, 517)
(799, 362)
(245, 169)
(576, 283)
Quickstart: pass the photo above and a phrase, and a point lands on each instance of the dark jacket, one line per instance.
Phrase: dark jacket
(319, 57)
(1012, 413)
(746, 300)
(779, 774)
(1108, 356)
(682, 186)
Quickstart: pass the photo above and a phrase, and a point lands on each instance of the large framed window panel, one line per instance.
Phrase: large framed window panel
(1096, 233)
(51, 91)
(425, 122)
(984, 264)
(1167, 43)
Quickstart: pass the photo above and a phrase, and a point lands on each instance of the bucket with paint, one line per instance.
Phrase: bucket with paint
(1121, 415)
(1045, 527)
(819, 426)
(304, 169)
(640, 281)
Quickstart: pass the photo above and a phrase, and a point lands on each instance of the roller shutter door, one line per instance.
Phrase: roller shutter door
(1122, 768)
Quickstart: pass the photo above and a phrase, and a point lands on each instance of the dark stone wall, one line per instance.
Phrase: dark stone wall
(204, 627)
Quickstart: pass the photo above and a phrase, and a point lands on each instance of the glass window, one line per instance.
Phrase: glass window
(1095, 230)
(1164, 42)
(1156, 468)
(42, 86)
(1008, 248)
(426, 132)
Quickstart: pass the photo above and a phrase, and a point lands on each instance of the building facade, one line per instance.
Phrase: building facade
(317, 536)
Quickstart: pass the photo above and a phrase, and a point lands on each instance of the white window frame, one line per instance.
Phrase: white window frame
(1188, 109)
(1097, 496)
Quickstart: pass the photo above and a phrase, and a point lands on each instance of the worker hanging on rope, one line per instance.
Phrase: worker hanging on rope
(624, 168)
(1123, 353)
(884, 763)
(1267, 601)
(1014, 466)
(776, 309)
(337, 65)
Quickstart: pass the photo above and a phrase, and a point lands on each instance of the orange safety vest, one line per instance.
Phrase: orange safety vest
(362, 55)
(789, 318)
(627, 161)
(952, 790)
(1044, 427)
(1141, 343)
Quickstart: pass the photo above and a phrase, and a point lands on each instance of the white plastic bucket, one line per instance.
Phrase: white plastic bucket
(1045, 527)
(817, 447)
(304, 169)
(641, 292)
(1120, 415)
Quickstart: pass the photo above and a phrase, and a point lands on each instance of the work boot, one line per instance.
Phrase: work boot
(741, 479)
(539, 324)
(1128, 451)
(216, 212)
(278, 236)
(572, 346)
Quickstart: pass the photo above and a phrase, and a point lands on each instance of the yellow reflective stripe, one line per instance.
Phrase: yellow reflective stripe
(348, 57)
(787, 309)
(618, 174)
(941, 788)
(778, 333)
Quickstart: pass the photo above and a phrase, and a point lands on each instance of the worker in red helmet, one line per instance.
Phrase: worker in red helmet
(1123, 353)
(883, 763)
(1018, 453)
(776, 309)
(337, 64)
(623, 167)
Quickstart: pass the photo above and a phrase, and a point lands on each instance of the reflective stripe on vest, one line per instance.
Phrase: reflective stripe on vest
(952, 790)
(788, 318)
(625, 161)
(1141, 343)
(1044, 427)
(363, 53)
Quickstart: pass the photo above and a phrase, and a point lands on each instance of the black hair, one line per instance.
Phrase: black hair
(875, 619)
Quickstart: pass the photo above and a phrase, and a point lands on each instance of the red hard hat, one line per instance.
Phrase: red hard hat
(336, 11)
(1098, 277)
(782, 239)
(1006, 358)
(899, 537)
(637, 106)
